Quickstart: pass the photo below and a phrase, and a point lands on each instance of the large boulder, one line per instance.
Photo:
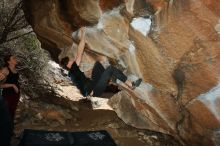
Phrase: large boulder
(173, 45)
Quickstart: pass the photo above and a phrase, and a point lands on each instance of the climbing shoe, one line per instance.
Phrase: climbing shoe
(136, 83)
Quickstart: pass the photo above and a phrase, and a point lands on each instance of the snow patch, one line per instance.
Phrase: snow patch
(142, 25)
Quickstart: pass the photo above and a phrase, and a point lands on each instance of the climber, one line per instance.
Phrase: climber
(100, 76)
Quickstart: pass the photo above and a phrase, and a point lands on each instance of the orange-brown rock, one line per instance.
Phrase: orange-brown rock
(107, 5)
(178, 59)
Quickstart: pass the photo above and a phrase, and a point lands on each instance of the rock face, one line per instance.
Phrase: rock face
(173, 45)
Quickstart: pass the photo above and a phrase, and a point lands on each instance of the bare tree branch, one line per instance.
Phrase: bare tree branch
(21, 18)
(12, 19)
(18, 36)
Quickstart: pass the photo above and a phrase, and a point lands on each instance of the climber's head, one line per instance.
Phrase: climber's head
(64, 62)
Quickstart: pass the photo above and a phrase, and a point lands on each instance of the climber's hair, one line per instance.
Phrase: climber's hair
(63, 63)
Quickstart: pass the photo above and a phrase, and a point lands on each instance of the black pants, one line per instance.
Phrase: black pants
(101, 77)
(5, 124)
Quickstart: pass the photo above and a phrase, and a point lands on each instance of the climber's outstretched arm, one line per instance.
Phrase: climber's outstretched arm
(80, 50)
(81, 46)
